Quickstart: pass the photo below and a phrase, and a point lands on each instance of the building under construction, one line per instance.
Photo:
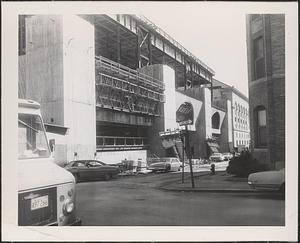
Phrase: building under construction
(114, 82)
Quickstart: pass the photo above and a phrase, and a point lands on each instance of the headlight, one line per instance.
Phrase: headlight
(68, 207)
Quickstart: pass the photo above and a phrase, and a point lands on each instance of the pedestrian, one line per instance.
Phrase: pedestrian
(135, 165)
(213, 169)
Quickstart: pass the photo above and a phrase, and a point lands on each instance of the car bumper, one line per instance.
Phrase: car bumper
(263, 187)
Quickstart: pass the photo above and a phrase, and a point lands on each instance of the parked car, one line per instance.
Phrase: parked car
(91, 170)
(227, 156)
(217, 157)
(165, 164)
(268, 180)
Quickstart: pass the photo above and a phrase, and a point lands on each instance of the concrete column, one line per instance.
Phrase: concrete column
(170, 104)
(79, 87)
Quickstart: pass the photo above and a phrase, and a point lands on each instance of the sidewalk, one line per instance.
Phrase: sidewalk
(204, 181)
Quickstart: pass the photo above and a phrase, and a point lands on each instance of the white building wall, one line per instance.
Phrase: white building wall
(197, 105)
(79, 86)
(241, 128)
(229, 120)
(222, 116)
(169, 105)
(208, 114)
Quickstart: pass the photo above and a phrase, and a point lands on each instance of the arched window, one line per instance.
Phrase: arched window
(260, 128)
(215, 120)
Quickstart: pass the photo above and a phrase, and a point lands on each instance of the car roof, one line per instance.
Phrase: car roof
(85, 161)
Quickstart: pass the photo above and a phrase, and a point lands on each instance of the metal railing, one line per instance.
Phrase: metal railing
(130, 74)
(118, 104)
(107, 80)
(174, 42)
(114, 141)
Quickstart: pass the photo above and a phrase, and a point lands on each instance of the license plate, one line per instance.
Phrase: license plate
(39, 202)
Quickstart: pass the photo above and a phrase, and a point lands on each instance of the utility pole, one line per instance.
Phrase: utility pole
(183, 151)
(185, 117)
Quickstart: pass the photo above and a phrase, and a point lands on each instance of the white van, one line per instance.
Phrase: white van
(46, 192)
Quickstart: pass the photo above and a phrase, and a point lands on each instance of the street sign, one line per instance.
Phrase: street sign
(185, 114)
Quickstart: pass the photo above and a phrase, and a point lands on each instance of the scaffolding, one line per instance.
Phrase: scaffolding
(122, 88)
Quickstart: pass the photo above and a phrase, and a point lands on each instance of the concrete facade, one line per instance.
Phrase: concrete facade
(236, 105)
(267, 85)
(59, 73)
(59, 69)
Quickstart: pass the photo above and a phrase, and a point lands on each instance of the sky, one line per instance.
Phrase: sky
(220, 42)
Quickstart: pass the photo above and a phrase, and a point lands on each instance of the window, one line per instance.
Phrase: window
(260, 126)
(258, 58)
(32, 141)
(215, 121)
(22, 35)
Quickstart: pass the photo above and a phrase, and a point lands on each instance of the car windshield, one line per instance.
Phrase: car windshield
(32, 141)
(100, 162)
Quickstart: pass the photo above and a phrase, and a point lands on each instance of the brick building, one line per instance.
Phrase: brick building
(266, 78)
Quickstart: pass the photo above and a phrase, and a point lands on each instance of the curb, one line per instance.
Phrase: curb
(165, 187)
(210, 190)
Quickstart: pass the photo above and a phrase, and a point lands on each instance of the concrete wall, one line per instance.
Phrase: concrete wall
(197, 105)
(170, 106)
(79, 86)
(58, 71)
(201, 130)
(222, 116)
(41, 68)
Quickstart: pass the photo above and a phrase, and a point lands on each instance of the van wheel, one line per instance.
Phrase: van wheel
(107, 176)
(168, 168)
(282, 189)
(76, 176)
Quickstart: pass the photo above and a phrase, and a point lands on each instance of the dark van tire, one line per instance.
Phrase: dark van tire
(282, 189)
(76, 176)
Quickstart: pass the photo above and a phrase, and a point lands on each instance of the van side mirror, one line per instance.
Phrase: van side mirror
(52, 144)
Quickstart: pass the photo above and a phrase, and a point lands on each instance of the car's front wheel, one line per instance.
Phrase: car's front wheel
(168, 168)
(107, 176)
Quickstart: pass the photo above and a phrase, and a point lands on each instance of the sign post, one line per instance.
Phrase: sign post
(185, 117)
(183, 151)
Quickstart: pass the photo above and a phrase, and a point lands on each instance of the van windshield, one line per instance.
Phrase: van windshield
(32, 141)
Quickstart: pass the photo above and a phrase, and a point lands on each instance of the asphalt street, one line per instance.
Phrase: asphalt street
(139, 201)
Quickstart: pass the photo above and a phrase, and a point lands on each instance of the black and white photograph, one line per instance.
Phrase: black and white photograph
(149, 121)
